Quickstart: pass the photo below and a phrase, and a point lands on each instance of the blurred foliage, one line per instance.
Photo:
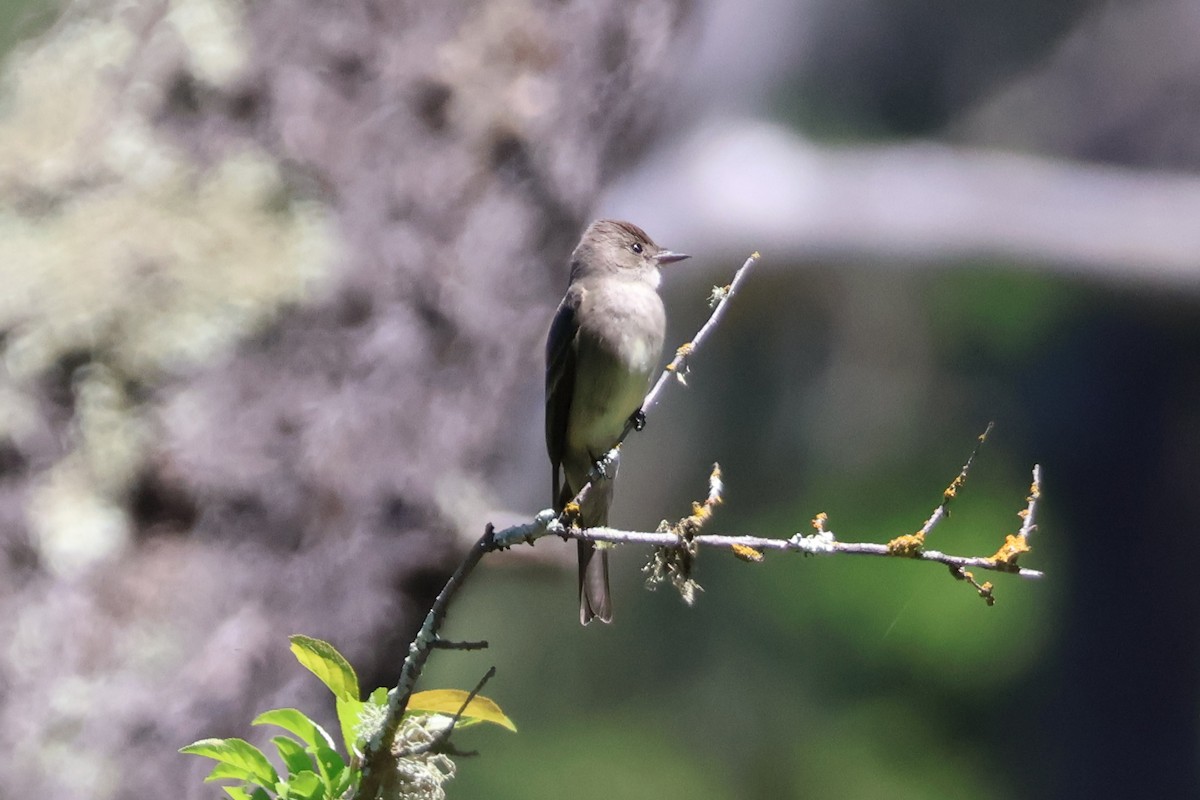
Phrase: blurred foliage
(881, 68)
(996, 313)
(24, 19)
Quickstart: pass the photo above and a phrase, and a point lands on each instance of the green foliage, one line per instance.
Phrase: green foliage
(312, 767)
(323, 660)
(235, 758)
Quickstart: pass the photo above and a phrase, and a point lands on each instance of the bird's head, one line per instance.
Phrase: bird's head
(610, 246)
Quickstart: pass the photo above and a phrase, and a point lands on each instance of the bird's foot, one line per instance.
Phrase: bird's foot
(606, 466)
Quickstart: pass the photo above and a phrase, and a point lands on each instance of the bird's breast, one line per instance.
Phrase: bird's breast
(619, 345)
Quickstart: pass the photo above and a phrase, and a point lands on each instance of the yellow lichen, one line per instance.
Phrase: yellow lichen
(907, 546)
(746, 553)
(1012, 549)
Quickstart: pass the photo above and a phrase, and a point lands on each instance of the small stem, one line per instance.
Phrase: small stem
(377, 754)
(444, 735)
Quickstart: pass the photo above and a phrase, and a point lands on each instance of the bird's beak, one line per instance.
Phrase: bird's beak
(667, 257)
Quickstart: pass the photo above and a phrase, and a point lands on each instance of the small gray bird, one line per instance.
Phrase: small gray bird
(604, 346)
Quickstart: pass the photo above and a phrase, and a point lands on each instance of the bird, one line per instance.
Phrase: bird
(603, 347)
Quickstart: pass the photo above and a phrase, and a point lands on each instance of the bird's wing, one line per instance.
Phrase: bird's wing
(560, 384)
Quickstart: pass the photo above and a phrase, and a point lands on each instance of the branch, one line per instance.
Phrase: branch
(377, 755)
(678, 366)
(678, 544)
(920, 204)
(823, 543)
(943, 509)
(443, 736)
(444, 644)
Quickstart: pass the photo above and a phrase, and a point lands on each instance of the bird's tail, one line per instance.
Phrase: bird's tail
(595, 602)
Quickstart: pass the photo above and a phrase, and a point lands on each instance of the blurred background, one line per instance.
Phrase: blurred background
(274, 282)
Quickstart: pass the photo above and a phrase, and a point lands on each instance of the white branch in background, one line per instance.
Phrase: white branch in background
(738, 181)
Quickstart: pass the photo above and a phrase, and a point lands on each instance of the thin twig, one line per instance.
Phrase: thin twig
(686, 534)
(377, 752)
(823, 542)
(943, 509)
(909, 544)
(816, 544)
(1028, 525)
(444, 734)
(677, 368)
(673, 565)
(445, 644)
(1017, 544)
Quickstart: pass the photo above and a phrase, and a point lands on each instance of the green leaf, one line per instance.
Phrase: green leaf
(293, 755)
(260, 794)
(348, 714)
(323, 660)
(449, 701)
(345, 780)
(380, 696)
(223, 771)
(295, 722)
(237, 753)
(305, 786)
(331, 765)
(236, 792)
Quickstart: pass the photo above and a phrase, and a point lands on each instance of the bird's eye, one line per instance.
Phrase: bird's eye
(636, 247)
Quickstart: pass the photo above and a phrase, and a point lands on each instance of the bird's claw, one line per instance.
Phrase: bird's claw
(606, 466)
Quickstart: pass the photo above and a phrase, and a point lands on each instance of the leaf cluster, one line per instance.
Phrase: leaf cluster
(311, 766)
